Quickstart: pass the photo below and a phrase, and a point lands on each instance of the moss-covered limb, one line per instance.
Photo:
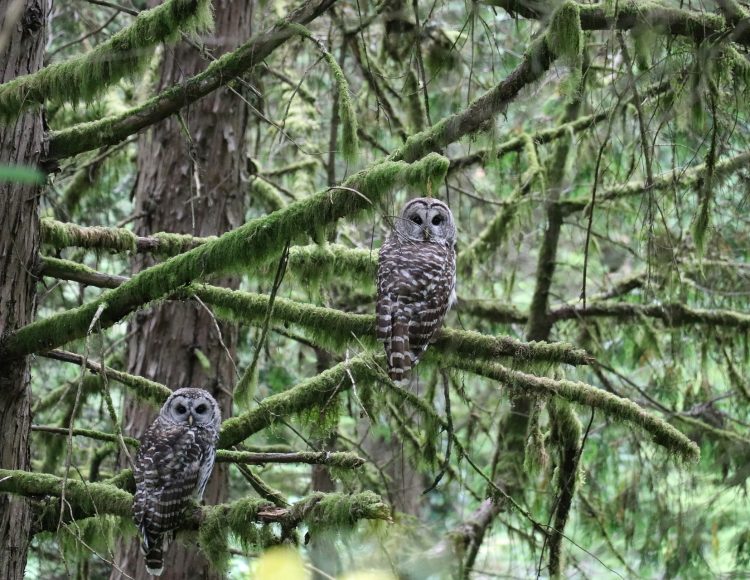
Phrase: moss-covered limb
(124, 54)
(566, 436)
(90, 433)
(83, 499)
(601, 16)
(316, 392)
(65, 235)
(684, 178)
(732, 11)
(76, 272)
(312, 262)
(111, 130)
(240, 518)
(305, 165)
(466, 343)
(245, 247)
(491, 311)
(540, 137)
(143, 388)
(545, 136)
(535, 63)
(495, 232)
(615, 407)
(326, 327)
(309, 263)
(345, 460)
(335, 459)
(335, 329)
(714, 432)
(674, 314)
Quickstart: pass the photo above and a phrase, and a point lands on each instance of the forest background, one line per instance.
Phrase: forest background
(193, 193)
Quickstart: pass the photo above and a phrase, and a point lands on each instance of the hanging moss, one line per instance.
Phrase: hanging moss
(349, 138)
(83, 78)
(565, 39)
(239, 519)
(249, 245)
(338, 511)
(613, 406)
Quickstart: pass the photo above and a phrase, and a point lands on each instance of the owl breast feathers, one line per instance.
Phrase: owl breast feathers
(416, 283)
(173, 465)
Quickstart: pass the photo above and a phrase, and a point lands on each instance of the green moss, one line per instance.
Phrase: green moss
(338, 511)
(268, 196)
(349, 138)
(565, 39)
(315, 392)
(174, 244)
(615, 407)
(83, 78)
(64, 235)
(248, 246)
(238, 519)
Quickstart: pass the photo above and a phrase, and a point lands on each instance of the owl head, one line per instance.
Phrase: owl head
(425, 219)
(192, 406)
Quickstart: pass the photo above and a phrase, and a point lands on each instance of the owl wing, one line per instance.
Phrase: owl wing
(415, 289)
(168, 466)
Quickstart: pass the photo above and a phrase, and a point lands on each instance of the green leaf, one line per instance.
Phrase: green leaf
(20, 174)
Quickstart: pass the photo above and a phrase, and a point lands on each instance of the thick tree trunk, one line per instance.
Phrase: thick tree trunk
(177, 343)
(20, 144)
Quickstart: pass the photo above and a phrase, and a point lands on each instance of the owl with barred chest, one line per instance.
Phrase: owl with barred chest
(173, 464)
(416, 282)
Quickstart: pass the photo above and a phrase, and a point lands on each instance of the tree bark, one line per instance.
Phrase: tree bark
(191, 185)
(23, 36)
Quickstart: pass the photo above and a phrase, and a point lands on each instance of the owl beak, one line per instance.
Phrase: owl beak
(426, 234)
(190, 420)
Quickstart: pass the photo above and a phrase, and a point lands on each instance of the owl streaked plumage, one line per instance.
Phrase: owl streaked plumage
(173, 464)
(416, 282)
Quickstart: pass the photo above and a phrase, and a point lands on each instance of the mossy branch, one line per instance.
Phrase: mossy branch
(316, 392)
(111, 130)
(615, 407)
(245, 247)
(628, 15)
(336, 330)
(125, 54)
(96, 499)
(65, 235)
(341, 459)
(684, 178)
(141, 387)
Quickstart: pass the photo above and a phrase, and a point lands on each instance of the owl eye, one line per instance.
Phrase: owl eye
(200, 409)
(416, 219)
(437, 220)
(181, 409)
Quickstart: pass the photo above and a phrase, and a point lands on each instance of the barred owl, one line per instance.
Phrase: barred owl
(416, 282)
(173, 464)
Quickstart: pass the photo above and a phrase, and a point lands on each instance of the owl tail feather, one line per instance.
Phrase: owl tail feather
(153, 552)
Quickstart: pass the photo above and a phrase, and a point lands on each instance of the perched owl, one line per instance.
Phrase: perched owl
(416, 282)
(173, 464)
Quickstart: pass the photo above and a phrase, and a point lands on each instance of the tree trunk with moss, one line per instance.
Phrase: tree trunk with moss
(23, 29)
(189, 182)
